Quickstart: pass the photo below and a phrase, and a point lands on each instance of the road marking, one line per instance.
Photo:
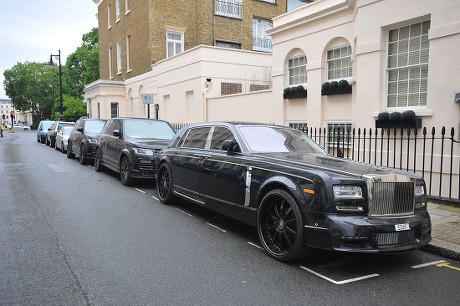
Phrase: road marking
(427, 264)
(447, 265)
(346, 281)
(255, 245)
(184, 212)
(140, 190)
(155, 198)
(216, 227)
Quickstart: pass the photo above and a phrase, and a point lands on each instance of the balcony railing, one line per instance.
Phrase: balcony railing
(229, 8)
(263, 44)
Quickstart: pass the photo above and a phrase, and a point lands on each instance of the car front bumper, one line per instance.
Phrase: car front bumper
(349, 233)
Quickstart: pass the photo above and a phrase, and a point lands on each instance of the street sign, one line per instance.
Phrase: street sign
(148, 99)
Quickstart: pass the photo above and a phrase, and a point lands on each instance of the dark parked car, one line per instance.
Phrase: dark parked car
(129, 145)
(53, 130)
(296, 195)
(83, 139)
(43, 127)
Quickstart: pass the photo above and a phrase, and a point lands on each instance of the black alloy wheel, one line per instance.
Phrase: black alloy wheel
(279, 226)
(125, 172)
(82, 157)
(69, 150)
(164, 184)
(97, 160)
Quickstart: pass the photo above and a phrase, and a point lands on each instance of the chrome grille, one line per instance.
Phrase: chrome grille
(395, 238)
(391, 198)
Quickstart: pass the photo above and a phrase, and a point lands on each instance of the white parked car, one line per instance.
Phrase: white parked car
(20, 127)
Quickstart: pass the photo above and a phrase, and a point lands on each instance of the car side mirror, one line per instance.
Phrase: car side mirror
(116, 133)
(80, 129)
(231, 146)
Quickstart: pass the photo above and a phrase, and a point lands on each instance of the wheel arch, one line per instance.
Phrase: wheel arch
(279, 182)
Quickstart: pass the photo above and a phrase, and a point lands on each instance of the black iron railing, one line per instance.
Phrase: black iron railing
(435, 155)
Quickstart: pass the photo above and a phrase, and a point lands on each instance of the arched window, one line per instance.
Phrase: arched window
(297, 69)
(338, 62)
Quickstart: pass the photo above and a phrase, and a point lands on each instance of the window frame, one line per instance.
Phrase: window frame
(229, 8)
(400, 74)
(334, 60)
(128, 53)
(299, 77)
(119, 58)
(175, 43)
(261, 41)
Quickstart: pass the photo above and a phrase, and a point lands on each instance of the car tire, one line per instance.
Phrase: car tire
(69, 151)
(98, 160)
(62, 147)
(56, 147)
(82, 157)
(164, 184)
(47, 142)
(280, 226)
(125, 172)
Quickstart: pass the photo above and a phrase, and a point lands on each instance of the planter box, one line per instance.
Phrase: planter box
(402, 124)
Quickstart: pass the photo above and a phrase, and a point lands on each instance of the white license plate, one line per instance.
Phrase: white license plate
(402, 227)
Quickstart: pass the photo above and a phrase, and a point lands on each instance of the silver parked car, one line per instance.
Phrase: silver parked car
(62, 138)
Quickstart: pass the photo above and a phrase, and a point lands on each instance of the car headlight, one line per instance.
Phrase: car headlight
(419, 190)
(141, 151)
(347, 192)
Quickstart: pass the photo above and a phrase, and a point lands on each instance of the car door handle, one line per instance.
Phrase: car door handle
(204, 156)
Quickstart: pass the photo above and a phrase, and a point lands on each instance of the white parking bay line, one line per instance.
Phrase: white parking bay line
(428, 264)
(184, 212)
(255, 245)
(216, 227)
(346, 281)
(156, 198)
(139, 190)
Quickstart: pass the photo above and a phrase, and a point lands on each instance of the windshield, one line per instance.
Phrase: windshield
(66, 130)
(148, 129)
(94, 126)
(267, 139)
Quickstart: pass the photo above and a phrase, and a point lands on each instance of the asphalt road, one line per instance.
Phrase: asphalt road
(72, 236)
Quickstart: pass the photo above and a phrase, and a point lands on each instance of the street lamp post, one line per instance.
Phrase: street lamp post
(58, 56)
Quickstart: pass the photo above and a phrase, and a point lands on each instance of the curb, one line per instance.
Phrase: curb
(441, 251)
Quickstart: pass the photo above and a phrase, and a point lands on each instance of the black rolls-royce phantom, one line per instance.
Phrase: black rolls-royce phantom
(297, 196)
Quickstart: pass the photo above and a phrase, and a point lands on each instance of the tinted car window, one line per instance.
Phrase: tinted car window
(275, 139)
(148, 129)
(94, 126)
(219, 135)
(196, 138)
(110, 127)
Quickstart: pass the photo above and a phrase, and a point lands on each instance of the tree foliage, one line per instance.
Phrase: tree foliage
(29, 85)
(35, 86)
(82, 66)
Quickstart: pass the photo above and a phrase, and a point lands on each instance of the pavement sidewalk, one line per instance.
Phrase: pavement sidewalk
(445, 222)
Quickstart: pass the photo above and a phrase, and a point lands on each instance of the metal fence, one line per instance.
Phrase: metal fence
(435, 155)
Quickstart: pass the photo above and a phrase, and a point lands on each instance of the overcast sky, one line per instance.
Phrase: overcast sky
(30, 30)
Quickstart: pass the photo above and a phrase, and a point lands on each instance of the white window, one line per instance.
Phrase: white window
(119, 57)
(297, 69)
(339, 134)
(127, 6)
(174, 43)
(109, 23)
(118, 9)
(408, 51)
(270, 1)
(261, 41)
(339, 63)
(128, 53)
(229, 8)
(110, 63)
(302, 126)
